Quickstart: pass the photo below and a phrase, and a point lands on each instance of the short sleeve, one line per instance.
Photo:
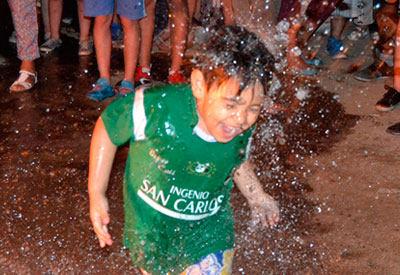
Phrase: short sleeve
(118, 120)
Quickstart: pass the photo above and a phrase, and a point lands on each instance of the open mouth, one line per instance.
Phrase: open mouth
(228, 131)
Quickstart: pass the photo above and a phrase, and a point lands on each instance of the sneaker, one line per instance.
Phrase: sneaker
(13, 37)
(389, 101)
(358, 33)
(126, 88)
(176, 77)
(101, 90)
(85, 48)
(142, 77)
(50, 45)
(394, 129)
(335, 48)
(377, 70)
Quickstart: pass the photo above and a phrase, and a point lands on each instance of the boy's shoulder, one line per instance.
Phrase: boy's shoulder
(168, 91)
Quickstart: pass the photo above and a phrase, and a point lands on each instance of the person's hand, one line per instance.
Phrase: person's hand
(264, 210)
(100, 219)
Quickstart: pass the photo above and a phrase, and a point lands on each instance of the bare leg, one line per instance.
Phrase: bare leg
(295, 61)
(191, 9)
(396, 79)
(28, 65)
(179, 29)
(102, 43)
(84, 23)
(55, 13)
(25, 23)
(229, 15)
(131, 46)
(337, 26)
(45, 16)
(147, 30)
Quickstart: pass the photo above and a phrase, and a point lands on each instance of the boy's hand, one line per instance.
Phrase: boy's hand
(264, 209)
(100, 219)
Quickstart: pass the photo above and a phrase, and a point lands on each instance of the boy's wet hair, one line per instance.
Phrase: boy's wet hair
(235, 52)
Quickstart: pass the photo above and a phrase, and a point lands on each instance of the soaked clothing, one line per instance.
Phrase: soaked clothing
(177, 180)
(131, 9)
(219, 263)
(25, 23)
(360, 10)
(317, 11)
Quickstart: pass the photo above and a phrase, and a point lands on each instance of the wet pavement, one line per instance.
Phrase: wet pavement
(44, 148)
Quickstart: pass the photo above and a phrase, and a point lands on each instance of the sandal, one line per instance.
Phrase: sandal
(85, 48)
(26, 80)
(125, 88)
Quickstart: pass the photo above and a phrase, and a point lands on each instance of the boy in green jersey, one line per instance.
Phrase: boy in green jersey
(185, 141)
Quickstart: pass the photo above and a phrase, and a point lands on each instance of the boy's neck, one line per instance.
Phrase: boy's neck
(203, 135)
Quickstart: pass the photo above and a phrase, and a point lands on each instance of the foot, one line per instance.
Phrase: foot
(389, 101)
(394, 129)
(25, 81)
(85, 48)
(50, 45)
(141, 76)
(335, 48)
(377, 70)
(101, 90)
(358, 33)
(176, 77)
(126, 88)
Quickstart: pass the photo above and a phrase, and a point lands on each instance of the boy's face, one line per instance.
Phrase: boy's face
(222, 112)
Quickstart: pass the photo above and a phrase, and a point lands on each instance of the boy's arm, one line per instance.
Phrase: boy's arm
(102, 152)
(263, 207)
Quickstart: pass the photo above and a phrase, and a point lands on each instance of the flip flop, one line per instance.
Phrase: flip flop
(23, 80)
(315, 61)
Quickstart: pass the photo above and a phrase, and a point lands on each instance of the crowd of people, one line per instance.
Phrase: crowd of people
(183, 155)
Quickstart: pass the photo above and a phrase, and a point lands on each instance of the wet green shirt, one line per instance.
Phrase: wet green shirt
(177, 180)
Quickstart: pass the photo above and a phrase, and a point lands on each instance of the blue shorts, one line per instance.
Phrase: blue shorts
(130, 9)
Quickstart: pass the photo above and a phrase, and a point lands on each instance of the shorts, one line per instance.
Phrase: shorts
(130, 9)
(219, 263)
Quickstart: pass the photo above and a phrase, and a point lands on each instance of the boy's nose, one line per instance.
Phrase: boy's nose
(241, 118)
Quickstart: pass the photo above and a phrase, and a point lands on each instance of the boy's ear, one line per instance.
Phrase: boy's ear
(198, 82)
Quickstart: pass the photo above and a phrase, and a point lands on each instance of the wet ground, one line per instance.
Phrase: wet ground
(326, 158)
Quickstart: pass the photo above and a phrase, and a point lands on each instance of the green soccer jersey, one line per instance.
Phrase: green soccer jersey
(177, 180)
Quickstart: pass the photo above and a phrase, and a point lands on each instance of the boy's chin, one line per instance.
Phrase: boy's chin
(225, 139)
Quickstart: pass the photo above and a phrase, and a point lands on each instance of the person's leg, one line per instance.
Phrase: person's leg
(45, 16)
(85, 44)
(103, 13)
(179, 29)
(337, 26)
(317, 13)
(84, 23)
(146, 33)
(391, 99)
(25, 23)
(102, 44)
(55, 13)
(334, 46)
(229, 15)
(192, 4)
(382, 67)
(131, 46)
(293, 56)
